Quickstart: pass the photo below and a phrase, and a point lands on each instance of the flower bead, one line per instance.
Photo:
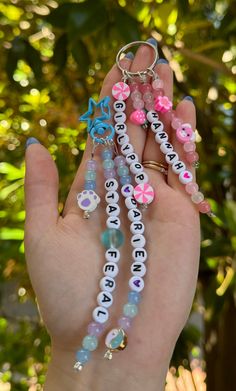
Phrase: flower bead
(163, 104)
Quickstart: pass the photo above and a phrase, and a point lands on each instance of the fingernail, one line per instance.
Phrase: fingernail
(162, 61)
(31, 140)
(152, 41)
(129, 55)
(188, 97)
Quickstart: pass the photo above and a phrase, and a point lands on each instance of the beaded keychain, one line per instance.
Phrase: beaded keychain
(124, 174)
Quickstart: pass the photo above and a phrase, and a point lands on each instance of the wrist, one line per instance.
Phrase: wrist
(103, 375)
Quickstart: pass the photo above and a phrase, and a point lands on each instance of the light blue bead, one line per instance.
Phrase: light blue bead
(90, 175)
(108, 164)
(90, 342)
(124, 180)
(112, 238)
(130, 310)
(83, 356)
(123, 171)
(134, 297)
(90, 185)
(107, 154)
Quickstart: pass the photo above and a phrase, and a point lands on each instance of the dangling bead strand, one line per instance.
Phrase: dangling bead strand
(112, 238)
(88, 199)
(116, 338)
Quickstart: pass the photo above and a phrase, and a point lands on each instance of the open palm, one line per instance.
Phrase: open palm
(65, 257)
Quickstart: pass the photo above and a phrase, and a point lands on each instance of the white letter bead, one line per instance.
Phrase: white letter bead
(122, 139)
(138, 241)
(178, 167)
(107, 284)
(136, 168)
(161, 137)
(136, 283)
(110, 269)
(112, 197)
(139, 254)
(157, 126)
(138, 269)
(113, 210)
(134, 215)
(120, 117)
(152, 116)
(100, 314)
(112, 255)
(127, 190)
(137, 227)
(185, 177)
(141, 178)
(131, 158)
(105, 299)
(126, 149)
(113, 222)
(111, 184)
(130, 203)
(120, 128)
(166, 147)
(119, 105)
(171, 157)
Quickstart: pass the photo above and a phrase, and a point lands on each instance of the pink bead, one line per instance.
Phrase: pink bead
(204, 207)
(136, 95)
(192, 157)
(189, 146)
(157, 84)
(124, 322)
(144, 193)
(163, 104)
(176, 123)
(138, 117)
(120, 91)
(184, 133)
(159, 92)
(138, 104)
(95, 329)
(145, 87)
(149, 106)
(134, 87)
(197, 197)
(191, 188)
(147, 96)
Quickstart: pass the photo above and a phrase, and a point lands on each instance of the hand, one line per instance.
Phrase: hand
(65, 259)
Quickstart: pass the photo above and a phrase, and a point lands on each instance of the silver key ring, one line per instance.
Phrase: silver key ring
(149, 70)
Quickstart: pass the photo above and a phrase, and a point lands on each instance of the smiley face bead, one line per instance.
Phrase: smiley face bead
(184, 133)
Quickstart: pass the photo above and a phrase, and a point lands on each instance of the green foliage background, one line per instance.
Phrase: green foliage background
(54, 55)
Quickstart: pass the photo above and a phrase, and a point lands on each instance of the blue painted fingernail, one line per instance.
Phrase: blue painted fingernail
(31, 140)
(152, 41)
(162, 61)
(129, 55)
(188, 97)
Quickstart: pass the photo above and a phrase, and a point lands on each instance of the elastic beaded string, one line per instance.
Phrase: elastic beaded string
(121, 92)
(116, 338)
(112, 238)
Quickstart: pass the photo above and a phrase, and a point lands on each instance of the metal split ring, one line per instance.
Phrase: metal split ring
(149, 71)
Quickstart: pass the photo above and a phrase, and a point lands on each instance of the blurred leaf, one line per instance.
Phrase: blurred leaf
(81, 55)
(127, 26)
(11, 233)
(7, 190)
(12, 173)
(60, 52)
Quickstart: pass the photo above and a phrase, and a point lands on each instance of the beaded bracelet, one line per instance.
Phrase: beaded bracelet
(146, 92)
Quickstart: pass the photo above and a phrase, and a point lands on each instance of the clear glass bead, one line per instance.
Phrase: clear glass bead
(112, 238)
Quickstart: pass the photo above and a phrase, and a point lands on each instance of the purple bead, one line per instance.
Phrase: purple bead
(119, 161)
(91, 165)
(95, 329)
(124, 322)
(109, 173)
